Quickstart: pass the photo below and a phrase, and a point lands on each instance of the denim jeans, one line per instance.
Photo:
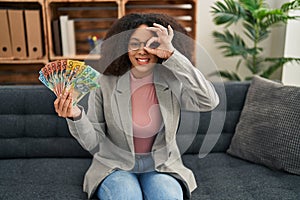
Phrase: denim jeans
(140, 183)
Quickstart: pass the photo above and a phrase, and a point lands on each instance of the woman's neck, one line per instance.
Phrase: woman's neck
(138, 75)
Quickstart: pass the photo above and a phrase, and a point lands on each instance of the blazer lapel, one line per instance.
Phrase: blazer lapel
(123, 98)
(169, 109)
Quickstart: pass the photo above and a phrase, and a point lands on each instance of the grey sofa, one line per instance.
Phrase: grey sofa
(39, 159)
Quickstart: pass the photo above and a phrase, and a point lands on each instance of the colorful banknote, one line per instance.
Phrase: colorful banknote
(69, 76)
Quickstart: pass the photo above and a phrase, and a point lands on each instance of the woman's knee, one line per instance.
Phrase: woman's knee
(158, 186)
(120, 185)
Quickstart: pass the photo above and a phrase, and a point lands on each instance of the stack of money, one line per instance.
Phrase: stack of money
(69, 76)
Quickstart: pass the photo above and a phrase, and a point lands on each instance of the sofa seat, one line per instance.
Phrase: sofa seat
(43, 178)
(223, 177)
(219, 177)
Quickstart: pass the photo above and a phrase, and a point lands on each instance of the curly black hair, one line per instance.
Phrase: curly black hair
(114, 58)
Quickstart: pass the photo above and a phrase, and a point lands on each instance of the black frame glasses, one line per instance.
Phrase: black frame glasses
(136, 45)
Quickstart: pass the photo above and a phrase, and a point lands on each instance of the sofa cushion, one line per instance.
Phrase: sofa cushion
(52, 178)
(268, 132)
(223, 177)
(29, 126)
(195, 127)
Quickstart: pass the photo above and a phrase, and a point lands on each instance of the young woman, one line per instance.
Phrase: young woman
(131, 123)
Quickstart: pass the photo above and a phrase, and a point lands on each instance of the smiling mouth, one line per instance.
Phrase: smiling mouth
(143, 61)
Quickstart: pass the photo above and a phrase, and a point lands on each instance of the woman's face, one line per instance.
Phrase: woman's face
(142, 61)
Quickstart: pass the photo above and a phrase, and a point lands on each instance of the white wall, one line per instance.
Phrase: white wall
(274, 46)
(291, 71)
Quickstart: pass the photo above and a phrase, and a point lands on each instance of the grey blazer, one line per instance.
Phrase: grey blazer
(106, 129)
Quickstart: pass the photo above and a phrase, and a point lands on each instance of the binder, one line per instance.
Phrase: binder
(34, 33)
(63, 20)
(71, 38)
(17, 33)
(56, 37)
(5, 43)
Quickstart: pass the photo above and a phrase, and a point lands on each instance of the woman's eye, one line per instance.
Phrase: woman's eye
(154, 45)
(134, 44)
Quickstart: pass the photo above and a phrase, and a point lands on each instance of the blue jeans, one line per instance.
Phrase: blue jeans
(133, 185)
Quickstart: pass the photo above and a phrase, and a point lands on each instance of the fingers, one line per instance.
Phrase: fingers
(159, 29)
(56, 103)
(63, 98)
(66, 105)
(171, 32)
(63, 105)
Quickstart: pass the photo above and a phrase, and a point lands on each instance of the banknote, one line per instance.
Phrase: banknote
(69, 76)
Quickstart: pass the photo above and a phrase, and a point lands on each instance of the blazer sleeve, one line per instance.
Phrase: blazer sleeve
(195, 92)
(89, 129)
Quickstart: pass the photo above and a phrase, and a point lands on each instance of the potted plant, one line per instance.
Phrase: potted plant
(256, 19)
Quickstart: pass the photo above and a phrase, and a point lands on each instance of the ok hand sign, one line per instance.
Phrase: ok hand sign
(164, 39)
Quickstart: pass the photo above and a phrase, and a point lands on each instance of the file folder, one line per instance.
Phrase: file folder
(5, 43)
(17, 33)
(71, 38)
(63, 20)
(56, 38)
(34, 33)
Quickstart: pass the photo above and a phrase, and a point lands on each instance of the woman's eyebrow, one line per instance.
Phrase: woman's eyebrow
(134, 39)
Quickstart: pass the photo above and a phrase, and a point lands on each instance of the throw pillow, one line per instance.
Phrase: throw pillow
(268, 131)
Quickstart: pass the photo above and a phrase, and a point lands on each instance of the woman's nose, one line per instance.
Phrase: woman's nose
(141, 49)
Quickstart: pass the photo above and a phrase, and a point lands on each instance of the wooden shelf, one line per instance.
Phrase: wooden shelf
(77, 57)
(23, 61)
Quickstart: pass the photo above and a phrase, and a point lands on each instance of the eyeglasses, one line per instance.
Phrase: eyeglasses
(136, 45)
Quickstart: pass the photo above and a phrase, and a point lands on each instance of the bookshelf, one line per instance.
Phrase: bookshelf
(184, 11)
(91, 17)
(24, 69)
(28, 5)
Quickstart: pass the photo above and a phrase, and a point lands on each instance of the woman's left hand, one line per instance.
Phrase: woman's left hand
(164, 39)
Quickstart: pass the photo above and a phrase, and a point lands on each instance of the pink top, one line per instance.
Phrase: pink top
(146, 115)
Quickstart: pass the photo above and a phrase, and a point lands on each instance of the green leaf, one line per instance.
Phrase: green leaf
(255, 64)
(233, 44)
(248, 78)
(232, 76)
(272, 17)
(255, 33)
(270, 70)
(290, 6)
(227, 13)
(277, 63)
(249, 30)
(252, 5)
(283, 60)
(238, 64)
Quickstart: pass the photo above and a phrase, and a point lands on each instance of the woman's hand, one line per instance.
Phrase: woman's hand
(164, 39)
(64, 106)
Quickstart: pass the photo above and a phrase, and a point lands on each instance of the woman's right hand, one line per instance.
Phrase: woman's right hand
(64, 106)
